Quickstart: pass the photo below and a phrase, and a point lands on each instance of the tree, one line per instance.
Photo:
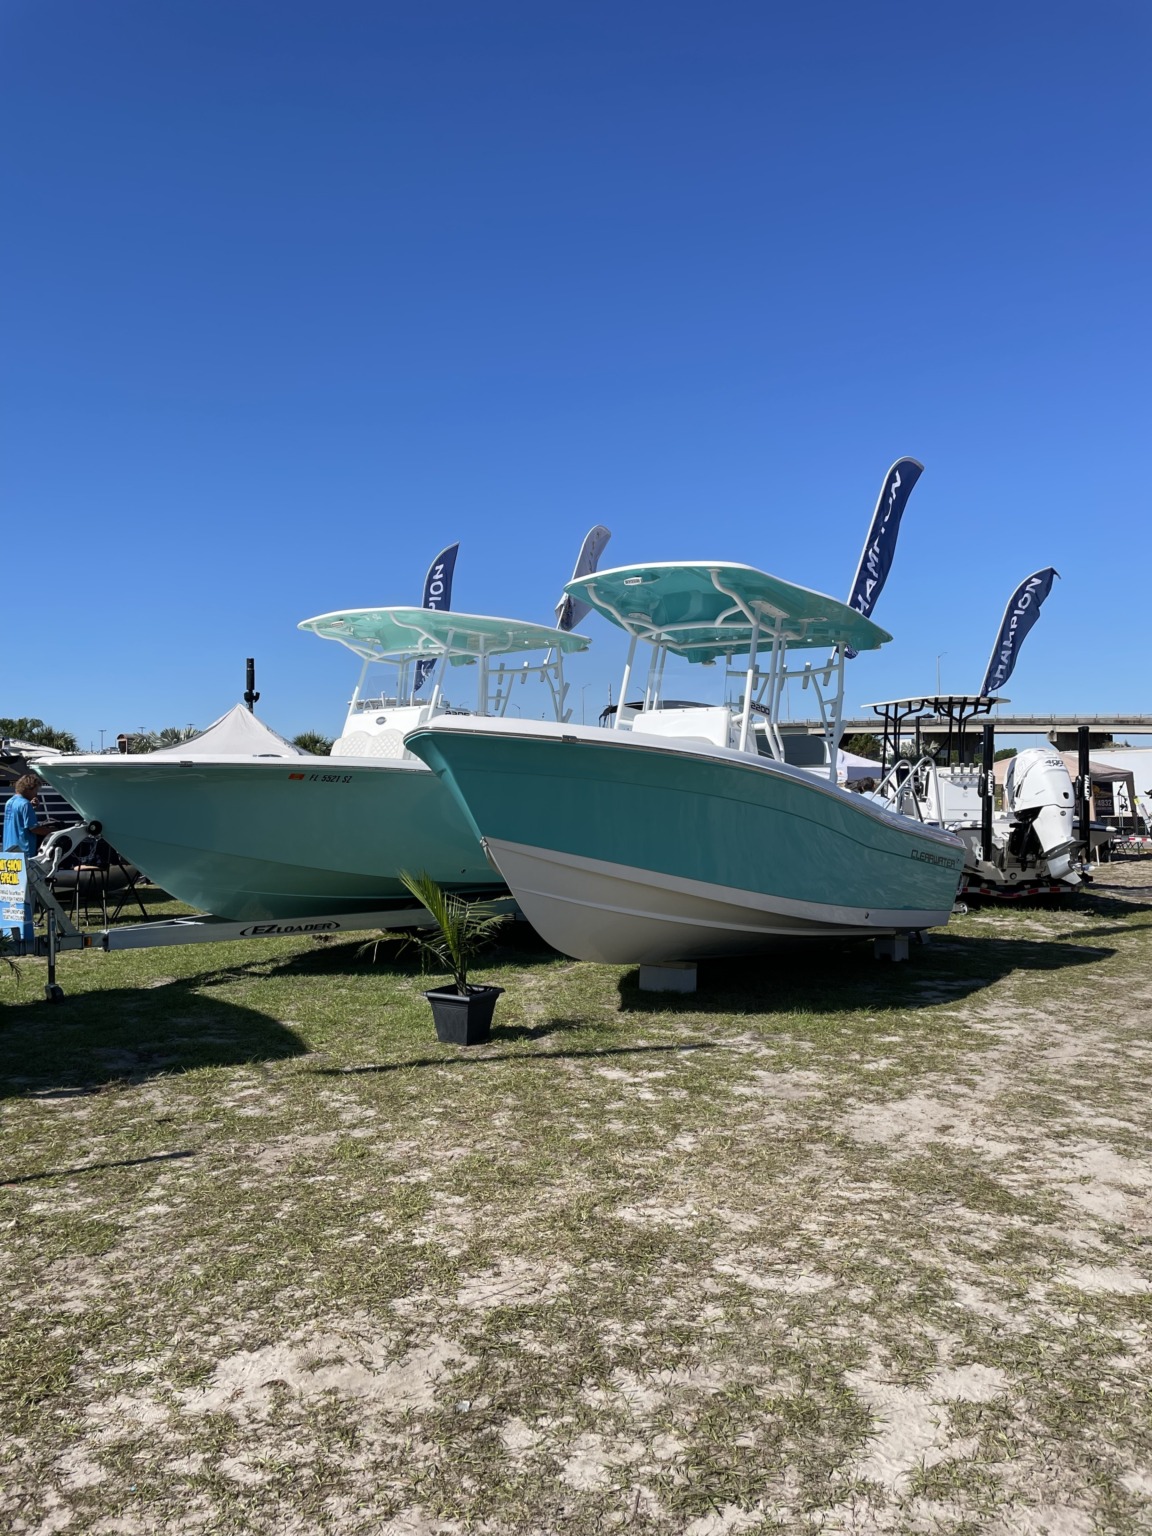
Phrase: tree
(911, 754)
(141, 741)
(863, 745)
(461, 930)
(314, 742)
(1002, 753)
(37, 734)
(173, 735)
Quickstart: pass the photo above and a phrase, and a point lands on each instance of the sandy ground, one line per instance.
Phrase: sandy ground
(878, 1269)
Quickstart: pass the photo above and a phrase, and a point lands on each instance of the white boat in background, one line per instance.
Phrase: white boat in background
(1032, 846)
(240, 823)
(682, 832)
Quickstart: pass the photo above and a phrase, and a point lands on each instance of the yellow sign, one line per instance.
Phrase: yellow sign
(13, 890)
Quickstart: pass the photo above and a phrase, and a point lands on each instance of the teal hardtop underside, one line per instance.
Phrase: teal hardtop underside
(379, 633)
(707, 609)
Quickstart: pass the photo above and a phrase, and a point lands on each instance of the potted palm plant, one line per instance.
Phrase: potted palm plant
(462, 1014)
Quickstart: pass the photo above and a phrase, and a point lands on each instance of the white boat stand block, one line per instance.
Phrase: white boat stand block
(891, 946)
(672, 976)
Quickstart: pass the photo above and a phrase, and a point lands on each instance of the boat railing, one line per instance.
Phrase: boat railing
(912, 786)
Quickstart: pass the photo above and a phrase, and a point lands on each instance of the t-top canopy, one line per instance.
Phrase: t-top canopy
(708, 609)
(940, 703)
(393, 634)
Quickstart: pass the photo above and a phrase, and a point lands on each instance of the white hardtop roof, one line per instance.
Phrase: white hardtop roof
(394, 634)
(933, 703)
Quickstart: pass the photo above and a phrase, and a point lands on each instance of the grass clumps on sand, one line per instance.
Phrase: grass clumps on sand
(828, 1246)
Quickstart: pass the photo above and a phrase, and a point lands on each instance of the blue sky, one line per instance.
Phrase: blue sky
(293, 295)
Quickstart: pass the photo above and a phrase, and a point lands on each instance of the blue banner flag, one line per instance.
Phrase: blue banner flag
(438, 582)
(570, 610)
(1021, 613)
(437, 594)
(880, 545)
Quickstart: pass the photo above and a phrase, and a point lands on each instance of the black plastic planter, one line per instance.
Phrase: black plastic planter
(464, 1018)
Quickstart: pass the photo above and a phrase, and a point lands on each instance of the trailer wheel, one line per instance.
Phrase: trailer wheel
(54, 993)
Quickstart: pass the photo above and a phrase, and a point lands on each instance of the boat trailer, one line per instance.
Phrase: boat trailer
(61, 933)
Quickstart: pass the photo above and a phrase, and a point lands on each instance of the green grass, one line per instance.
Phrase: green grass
(828, 1245)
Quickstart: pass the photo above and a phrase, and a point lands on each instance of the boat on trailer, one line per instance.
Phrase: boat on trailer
(681, 832)
(1033, 845)
(243, 825)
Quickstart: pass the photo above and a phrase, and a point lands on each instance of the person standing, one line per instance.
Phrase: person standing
(22, 834)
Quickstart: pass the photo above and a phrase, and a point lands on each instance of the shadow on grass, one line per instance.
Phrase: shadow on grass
(509, 1034)
(97, 1041)
(69, 1173)
(1101, 901)
(478, 1056)
(821, 976)
(1097, 898)
(1074, 935)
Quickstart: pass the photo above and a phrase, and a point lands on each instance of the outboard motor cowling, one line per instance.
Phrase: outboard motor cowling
(1038, 791)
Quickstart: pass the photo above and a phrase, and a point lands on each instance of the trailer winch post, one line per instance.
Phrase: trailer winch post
(59, 930)
(53, 992)
(987, 790)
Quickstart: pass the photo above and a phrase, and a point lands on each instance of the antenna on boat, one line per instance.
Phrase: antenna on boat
(250, 694)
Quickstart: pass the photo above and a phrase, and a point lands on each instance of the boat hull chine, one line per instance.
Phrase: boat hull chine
(594, 910)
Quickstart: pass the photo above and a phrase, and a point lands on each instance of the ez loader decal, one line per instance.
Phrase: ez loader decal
(270, 930)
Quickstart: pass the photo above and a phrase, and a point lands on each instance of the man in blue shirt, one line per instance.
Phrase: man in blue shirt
(22, 833)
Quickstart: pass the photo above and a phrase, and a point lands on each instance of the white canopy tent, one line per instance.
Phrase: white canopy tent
(850, 768)
(236, 734)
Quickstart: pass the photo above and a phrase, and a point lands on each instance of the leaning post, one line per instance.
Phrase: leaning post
(987, 789)
(1084, 789)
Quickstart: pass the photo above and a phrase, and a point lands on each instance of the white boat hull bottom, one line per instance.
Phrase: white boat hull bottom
(617, 914)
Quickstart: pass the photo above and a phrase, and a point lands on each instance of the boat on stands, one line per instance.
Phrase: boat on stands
(682, 832)
(242, 824)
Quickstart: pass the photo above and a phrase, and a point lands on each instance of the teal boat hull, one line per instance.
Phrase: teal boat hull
(624, 849)
(245, 839)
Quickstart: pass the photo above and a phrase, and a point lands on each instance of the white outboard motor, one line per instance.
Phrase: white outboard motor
(1038, 792)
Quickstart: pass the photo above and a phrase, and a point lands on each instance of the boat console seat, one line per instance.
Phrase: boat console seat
(710, 723)
(388, 744)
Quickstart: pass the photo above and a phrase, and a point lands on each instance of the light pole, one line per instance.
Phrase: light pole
(102, 738)
(583, 686)
(942, 653)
